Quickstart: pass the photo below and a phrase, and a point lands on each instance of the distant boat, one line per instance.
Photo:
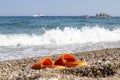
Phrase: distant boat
(87, 16)
(38, 15)
(103, 15)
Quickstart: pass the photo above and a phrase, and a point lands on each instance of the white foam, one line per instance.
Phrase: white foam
(60, 37)
(13, 52)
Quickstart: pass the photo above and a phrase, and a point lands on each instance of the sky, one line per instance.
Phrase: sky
(59, 7)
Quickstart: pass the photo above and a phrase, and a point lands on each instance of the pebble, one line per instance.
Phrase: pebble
(102, 65)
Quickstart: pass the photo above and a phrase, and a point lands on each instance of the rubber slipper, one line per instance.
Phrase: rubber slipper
(69, 60)
(64, 58)
(44, 63)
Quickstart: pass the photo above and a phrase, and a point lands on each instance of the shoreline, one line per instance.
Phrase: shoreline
(102, 64)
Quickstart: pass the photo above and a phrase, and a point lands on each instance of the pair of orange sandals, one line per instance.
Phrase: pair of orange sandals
(66, 60)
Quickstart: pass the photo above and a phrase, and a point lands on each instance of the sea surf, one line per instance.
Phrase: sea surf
(26, 36)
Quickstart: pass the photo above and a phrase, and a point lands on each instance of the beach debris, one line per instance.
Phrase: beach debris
(66, 60)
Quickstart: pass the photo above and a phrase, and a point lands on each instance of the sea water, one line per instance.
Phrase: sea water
(26, 36)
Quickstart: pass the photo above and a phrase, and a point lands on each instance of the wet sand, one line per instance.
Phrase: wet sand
(102, 65)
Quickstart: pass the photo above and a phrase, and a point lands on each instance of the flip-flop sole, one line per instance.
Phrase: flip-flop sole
(75, 64)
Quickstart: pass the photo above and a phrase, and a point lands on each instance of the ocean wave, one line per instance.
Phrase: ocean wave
(62, 37)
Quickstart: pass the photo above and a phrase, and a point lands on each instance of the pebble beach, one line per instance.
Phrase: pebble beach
(102, 65)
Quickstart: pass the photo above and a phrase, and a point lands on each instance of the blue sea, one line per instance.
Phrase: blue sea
(27, 36)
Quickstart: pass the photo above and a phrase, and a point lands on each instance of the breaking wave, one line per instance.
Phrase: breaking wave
(61, 37)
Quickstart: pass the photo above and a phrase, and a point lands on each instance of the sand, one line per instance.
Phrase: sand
(102, 65)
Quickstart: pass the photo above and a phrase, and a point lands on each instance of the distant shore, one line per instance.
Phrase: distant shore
(102, 64)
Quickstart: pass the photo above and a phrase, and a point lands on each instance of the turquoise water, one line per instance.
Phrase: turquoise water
(26, 36)
(32, 25)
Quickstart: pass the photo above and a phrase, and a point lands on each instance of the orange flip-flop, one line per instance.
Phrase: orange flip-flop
(46, 63)
(66, 60)
(69, 60)
(65, 57)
